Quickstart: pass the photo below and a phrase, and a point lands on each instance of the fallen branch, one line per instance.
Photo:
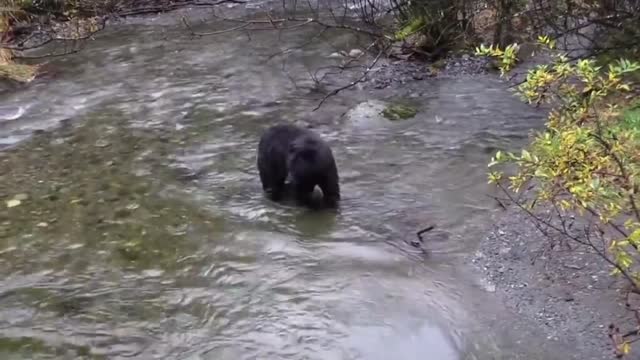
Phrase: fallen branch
(302, 46)
(414, 255)
(193, 33)
(280, 24)
(353, 28)
(247, 23)
(303, 22)
(498, 201)
(586, 242)
(340, 68)
(418, 242)
(427, 229)
(171, 7)
(51, 38)
(620, 346)
(353, 83)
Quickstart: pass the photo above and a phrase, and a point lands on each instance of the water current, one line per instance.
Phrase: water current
(142, 231)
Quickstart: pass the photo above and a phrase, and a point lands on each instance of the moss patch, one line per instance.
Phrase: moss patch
(399, 112)
(31, 348)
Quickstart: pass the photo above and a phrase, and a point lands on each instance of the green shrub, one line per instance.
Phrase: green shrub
(585, 166)
(437, 24)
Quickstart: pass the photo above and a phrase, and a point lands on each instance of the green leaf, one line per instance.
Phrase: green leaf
(634, 238)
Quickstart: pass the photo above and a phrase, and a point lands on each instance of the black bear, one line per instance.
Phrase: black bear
(288, 153)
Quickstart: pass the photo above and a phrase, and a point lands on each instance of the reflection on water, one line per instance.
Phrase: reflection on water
(143, 232)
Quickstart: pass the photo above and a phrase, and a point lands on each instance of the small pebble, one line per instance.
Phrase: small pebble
(355, 53)
(102, 143)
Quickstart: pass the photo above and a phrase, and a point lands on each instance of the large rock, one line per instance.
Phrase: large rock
(367, 115)
(375, 113)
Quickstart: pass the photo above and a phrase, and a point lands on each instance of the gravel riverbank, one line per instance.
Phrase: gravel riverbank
(569, 295)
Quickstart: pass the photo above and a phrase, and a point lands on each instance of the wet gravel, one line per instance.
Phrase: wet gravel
(569, 295)
(400, 72)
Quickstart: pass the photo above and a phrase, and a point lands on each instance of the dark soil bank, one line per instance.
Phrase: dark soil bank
(568, 294)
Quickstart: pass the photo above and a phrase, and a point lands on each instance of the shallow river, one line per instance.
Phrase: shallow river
(142, 231)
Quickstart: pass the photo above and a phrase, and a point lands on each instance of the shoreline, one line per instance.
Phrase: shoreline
(569, 296)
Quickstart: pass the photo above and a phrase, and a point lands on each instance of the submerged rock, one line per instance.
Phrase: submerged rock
(377, 113)
(399, 112)
(355, 53)
(367, 114)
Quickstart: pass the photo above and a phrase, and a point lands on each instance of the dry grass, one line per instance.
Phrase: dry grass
(8, 68)
(18, 72)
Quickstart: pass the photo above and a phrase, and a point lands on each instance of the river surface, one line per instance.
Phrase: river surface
(141, 231)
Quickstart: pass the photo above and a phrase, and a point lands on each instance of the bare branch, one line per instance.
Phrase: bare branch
(193, 33)
(301, 46)
(171, 6)
(353, 83)
(586, 233)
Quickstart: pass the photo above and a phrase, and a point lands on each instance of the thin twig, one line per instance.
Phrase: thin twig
(353, 83)
(588, 243)
(51, 39)
(247, 23)
(175, 6)
(193, 33)
(427, 229)
(498, 200)
(301, 46)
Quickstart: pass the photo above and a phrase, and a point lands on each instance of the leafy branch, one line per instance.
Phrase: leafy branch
(586, 162)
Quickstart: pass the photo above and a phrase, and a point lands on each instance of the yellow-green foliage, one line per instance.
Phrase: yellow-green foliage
(79, 26)
(508, 57)
(410, 28)
(9, 69)
(586, 163)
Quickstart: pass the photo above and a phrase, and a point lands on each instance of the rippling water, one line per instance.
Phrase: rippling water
(143, 232)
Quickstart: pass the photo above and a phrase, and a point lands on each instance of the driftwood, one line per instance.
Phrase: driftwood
(420, 240)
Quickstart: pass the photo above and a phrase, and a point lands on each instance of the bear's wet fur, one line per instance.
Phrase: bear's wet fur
(288, 153)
